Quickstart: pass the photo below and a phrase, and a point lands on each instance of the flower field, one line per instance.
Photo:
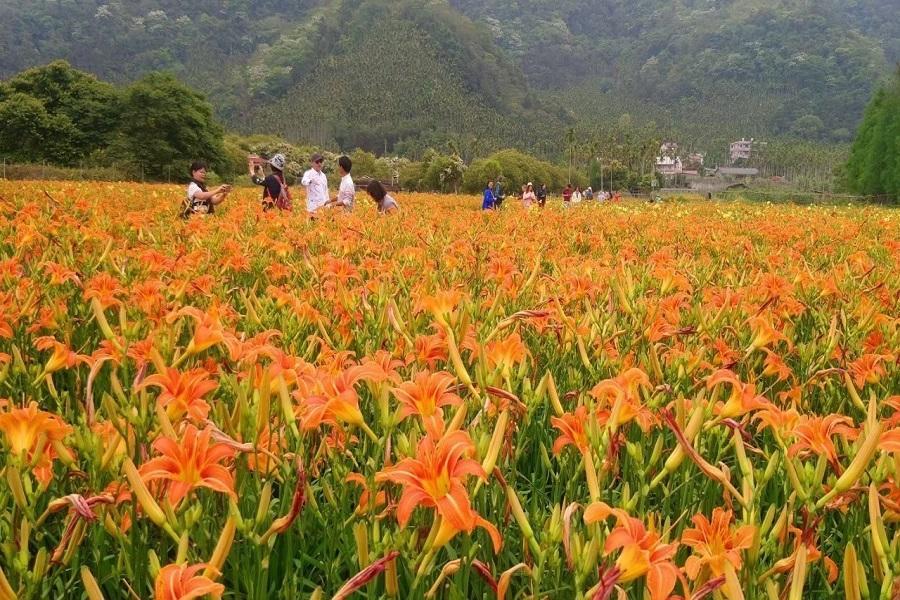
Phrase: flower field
(689, 400)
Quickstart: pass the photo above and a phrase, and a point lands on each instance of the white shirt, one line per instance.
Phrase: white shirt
(196, 205)
(347, 192)
(316, 184)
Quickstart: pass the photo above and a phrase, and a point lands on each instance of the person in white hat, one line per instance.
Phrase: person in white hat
(528, 196)
(276, 193)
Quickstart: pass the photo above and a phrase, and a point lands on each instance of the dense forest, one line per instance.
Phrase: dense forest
(405, 75)
(874, 165)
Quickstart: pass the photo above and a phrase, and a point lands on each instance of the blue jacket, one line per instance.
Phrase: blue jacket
(488, 202)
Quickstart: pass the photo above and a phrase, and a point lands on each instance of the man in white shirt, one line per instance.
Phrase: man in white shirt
(316, 184)
(347, 191)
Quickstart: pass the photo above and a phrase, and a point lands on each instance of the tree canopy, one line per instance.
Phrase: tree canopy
(874, 164)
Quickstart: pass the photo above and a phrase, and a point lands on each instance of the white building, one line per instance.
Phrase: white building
(668, 166)
(741, 150)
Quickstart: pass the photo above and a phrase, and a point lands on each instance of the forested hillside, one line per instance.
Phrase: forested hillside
(483, 74)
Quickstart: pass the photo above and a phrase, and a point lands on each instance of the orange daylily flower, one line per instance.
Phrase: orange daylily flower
(776, 367)
(330, 398)
(31, 433)
(782, 421)
(434, 478)
(424, 397)
(643, 554)
(192, 462)
(62, 358)
(715, 543)
(366, 502)
(441, 305)
(743, 397)
(506, 353)
(572, 430)
(867, 369)
(430, 350)
(890, 441)
(182, 582)
(208, 331)
(763, 333)
(182, 393)
(105, 289)
(813, 436)
(621, 395)
(269, 445)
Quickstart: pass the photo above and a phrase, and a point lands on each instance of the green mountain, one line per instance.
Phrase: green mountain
(483, 74)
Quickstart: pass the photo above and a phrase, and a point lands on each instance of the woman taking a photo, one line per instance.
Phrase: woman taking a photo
(200, 200)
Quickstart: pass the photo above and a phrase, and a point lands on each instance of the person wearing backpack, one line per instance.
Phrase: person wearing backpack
(276, 193)
(200, 200)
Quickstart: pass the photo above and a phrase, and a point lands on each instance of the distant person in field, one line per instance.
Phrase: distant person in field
(567, 195)
(346, 195)
(487, 202)
(276, 193)
(577, 196)
(316, 184)
(200, 200)
(542, 195)
(499, 196)
(589, 193)
(386, 204)
(528, 197)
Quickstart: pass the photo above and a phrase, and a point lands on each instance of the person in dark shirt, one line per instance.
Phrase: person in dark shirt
(499, 195)
(276, 193)
(542, 195)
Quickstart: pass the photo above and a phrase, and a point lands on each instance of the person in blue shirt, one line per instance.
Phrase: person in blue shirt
(488, 202)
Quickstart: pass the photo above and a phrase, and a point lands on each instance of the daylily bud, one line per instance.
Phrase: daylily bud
(798, 578)
(554, 525)
(656, 453)
(770, 468)
(181, 554)
(851, 575)
(90, 584)
(222, 549)
(859, 463)
(265, 499)
(155, 567)
(402, 443)
(14, 479)
(361, 535)
(144, 498)
(41, 560)
(635, 452)
(496, 443)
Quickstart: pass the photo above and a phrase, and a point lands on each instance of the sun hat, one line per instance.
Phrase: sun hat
(277, 162)
(317, 157)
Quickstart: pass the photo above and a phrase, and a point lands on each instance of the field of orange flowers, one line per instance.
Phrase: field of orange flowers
(688, 400)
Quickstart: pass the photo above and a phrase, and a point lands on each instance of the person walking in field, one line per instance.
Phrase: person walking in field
(499, 195)
(567, 195)
(346, 195)
(200, 200)
(276, 193)
(542, 195)
(386, 204)
(576, 195)
(316, 184)
(528, 197)
(487, 202)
